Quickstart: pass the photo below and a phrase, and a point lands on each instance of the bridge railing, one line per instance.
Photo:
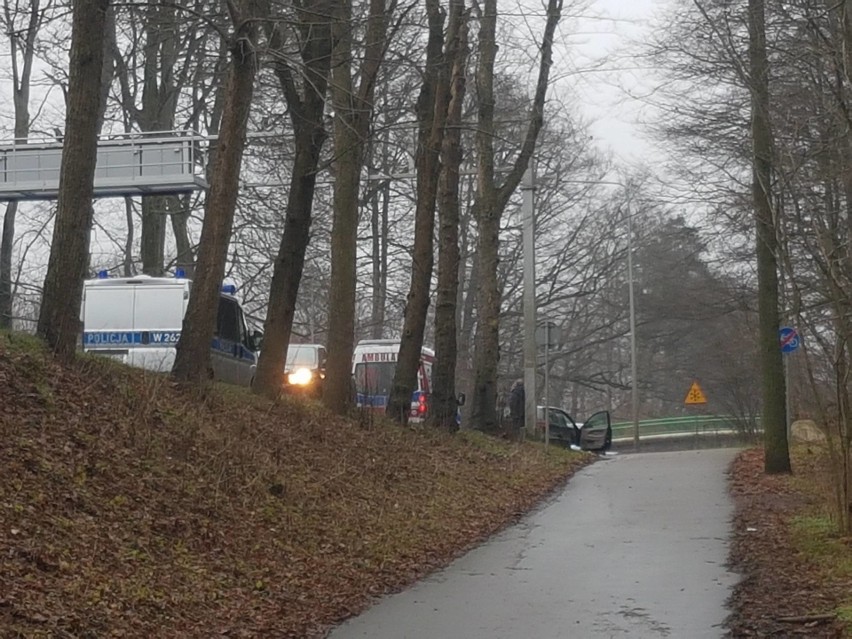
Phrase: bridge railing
(678, 427)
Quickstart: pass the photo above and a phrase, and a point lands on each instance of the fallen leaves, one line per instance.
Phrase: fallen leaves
(783, 592)
(131, 506)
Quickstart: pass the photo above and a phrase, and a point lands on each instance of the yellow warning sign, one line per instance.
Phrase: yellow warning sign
(695, 395)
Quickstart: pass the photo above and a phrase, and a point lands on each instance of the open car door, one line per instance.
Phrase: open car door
(596, 433)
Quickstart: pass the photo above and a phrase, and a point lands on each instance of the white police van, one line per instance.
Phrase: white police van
(138, 321)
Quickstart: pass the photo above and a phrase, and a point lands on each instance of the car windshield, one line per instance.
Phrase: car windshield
(301, 357)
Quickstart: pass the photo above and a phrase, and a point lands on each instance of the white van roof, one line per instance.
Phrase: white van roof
(145, 280)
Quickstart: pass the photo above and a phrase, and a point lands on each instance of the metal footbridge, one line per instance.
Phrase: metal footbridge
(165, 162)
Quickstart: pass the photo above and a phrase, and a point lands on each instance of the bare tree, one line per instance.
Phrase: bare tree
(492, 200)
(774, 401)
(192, 361)
(58, 322)
(431, 116)
(171, 46)
(353, 109)
(22, 48)
(307, 117)
(444, 400)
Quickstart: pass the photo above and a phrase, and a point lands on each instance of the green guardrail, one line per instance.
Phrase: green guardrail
(677, 425)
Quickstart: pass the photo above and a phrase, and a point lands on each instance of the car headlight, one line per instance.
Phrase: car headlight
(300, 377)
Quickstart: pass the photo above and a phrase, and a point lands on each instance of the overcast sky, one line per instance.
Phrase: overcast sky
(607, 29)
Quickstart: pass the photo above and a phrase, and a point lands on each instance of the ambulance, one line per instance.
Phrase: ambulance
(373, 369)
(138, 321)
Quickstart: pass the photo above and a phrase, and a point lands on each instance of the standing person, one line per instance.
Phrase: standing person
(517, 405)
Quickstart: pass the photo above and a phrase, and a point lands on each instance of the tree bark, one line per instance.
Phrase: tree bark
(153, 237)
(352, 115)
(444, 400)
(192, 361)
(59, 316)
(846, 84)
(179, 212)
(127, 266)
(7, 245)
(306, 114)
(431, 114)
(774, 401)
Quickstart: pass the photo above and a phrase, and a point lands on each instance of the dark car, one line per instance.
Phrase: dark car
(304, 371)
(593, 434)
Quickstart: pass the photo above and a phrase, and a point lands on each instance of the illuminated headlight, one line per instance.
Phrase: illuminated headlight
(301, 377)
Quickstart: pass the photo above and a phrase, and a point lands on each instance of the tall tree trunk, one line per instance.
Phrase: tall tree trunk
(444, 402)
(21, 76)
(193, 350)
(491, 202)
(153, 237)
(7, 245)
(59, 317)
(846, 30)
(353, 112)
(774, 401)
(431, 115)
(379, 205)
(347, 168)
(159, 103)
(127, 267)
(179, 212)
(306, 113)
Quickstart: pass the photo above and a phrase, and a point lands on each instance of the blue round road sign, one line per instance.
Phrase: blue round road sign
(789, 338)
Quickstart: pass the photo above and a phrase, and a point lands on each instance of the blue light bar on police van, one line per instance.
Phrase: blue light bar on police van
(103, 275)
(179, 273)
(230, 289)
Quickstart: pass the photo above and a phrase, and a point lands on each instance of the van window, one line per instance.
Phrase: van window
(374, 378)
(228, 321)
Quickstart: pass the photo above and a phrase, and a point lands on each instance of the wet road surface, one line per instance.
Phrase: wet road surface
(634, 546)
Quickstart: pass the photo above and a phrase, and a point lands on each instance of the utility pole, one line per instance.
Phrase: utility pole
(547, 326)
(528, 211)
(631, 301)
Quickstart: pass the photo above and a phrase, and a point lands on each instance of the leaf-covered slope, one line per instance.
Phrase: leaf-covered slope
(795, 579)
(130, 506)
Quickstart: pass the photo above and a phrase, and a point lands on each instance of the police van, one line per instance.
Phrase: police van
(138, 321)
(373, 369)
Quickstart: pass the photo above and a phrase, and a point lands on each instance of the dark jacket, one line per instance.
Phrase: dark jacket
(517, 400)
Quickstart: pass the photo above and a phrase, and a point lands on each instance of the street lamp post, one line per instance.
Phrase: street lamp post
(528, 210)
(634, 394)
(528, 214)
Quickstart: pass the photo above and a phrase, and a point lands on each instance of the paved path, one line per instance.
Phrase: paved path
(635, 546)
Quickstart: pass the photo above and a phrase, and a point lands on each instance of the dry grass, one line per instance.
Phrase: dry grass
(130, 506)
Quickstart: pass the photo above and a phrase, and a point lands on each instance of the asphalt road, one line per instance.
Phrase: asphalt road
(634, 546)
